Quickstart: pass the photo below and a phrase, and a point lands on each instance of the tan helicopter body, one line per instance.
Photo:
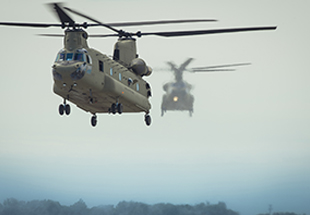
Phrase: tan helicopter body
(97, 83)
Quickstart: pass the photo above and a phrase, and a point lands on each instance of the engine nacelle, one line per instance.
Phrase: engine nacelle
(140, 68)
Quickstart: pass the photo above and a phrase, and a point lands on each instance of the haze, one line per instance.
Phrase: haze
(247, 143)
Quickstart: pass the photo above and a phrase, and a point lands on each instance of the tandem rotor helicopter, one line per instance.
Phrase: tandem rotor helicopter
(97, 83)
(178, 95)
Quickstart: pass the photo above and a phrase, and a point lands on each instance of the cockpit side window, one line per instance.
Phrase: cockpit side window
(60, 56)
(88, 58)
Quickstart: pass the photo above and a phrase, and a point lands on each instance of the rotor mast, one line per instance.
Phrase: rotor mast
(75, 39)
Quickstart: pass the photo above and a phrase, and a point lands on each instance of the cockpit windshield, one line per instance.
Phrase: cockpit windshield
(69, 56)
(79, 55)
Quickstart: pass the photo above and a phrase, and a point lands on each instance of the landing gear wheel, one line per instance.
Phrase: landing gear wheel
(113, 108)
(67, 109)
(120, 108)
(147, 119)
(93, 120)
(61, 109)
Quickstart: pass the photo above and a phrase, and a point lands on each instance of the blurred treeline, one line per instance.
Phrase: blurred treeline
(48, 207)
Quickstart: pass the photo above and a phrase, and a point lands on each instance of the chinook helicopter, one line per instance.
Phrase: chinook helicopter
(178, 95)
(97, 83)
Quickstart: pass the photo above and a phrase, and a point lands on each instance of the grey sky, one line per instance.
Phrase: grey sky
(247, 143)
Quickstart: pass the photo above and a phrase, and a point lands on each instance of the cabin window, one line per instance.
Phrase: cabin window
(120, 76)
(137, 86)
(111, 71)
(129, 81)
(100, 66)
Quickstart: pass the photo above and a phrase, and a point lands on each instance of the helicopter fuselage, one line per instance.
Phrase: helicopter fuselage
(93, 81)
(177, 97)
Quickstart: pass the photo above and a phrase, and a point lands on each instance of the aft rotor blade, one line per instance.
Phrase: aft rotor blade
(122, 24)
(94, 20)
(34, 25)
(201, 32)
(220, 66)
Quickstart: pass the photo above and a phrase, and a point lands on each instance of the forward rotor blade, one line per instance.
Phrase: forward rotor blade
(122, 24)
(220, 66)
(172, 66)
(185, 64)
(34, 25)
(201, 32)
(94, 36)
(103, 35)
(62, 15)
(94, 20)
(51, 35)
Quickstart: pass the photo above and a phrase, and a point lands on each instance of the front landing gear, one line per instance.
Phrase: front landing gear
(64, 108)
(93, 120)
(147, 119)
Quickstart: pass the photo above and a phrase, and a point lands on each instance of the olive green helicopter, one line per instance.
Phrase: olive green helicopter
(97, 83)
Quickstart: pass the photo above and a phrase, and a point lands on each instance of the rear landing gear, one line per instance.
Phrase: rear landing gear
(147, 119)
(116, 108)
(93, 120)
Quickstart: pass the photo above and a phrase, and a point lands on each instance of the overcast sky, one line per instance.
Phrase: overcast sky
(247, 143)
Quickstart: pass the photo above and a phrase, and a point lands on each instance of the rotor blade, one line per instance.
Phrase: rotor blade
(103, 35)
(34, 25)
(122, 24)
(94, 20)
(62, 15)
(172, 66)
(185, 64)
(220, 66)
(51, 35)
(201, 32)
(212, 70)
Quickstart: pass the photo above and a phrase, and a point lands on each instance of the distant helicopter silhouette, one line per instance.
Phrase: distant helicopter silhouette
(178, 96)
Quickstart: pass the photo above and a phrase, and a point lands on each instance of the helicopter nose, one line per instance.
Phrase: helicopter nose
(68, 73)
